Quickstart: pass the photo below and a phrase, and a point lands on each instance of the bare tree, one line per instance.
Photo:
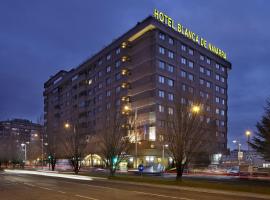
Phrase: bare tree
(75, 142)
(187, 134)
(114, 140)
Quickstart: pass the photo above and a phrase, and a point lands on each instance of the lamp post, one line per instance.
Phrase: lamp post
(248, 133)
(163, 152)
(24, 147)
(239, 151)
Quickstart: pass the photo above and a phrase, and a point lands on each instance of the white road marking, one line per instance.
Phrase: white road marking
(61, 191)
(29, 184)
(45, 188)
(161, 195)
(85, 197)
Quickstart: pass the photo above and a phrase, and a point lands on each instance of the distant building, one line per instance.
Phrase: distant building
(21, 130)
(247, 158)
(142, 70)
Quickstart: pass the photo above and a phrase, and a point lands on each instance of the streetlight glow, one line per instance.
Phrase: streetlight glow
(67, 125)
(248, 133)
(195, 109)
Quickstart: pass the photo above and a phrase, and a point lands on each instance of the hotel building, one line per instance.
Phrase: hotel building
(142, 69)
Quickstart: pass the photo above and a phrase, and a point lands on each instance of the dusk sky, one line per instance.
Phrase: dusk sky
(39, 38)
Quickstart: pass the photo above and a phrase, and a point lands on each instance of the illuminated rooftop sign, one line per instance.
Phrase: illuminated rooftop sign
(165, 19)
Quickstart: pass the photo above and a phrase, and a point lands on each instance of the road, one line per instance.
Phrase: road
(34, 187)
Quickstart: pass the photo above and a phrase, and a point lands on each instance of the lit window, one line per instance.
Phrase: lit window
(202, 57)
(217, 66)
(108, 57)
(201, 81)
(191, 52)
(90, 81)
(208, 72)
(161, 79)
(191, 77)
(190, 64)
(222, 90)
(208, 84)
(222, 69)
(161, 65)
(222, 112)
(217, 77)
(117, 76)
(117, 64)
(171, 41)
(217, 110)
(183, 47)
(201, 69)
(183, 74)
(183, 61)
(183, 101)
(117, 89)
(170, 111)
(184, 87)
(152, 137)
(217, 99)
(217, 88)
(161, 50)
(170, 96)
(170, 68)
(161, 93)
(108, 81)
(170, 54)
(108, 69)
(191, 90)
(222, 79)
(208, 61)
(170, 82)
(162, 36)
(161, 108)
(117, 51)
(108, 93)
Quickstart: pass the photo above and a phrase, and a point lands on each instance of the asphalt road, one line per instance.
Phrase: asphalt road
(34, 187)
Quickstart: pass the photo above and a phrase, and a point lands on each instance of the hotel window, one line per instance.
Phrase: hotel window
(208, 109)
(208, 84)
(117, 89)
(191, 77)
(208, 72)
(217, 99)
(171, 41)
(217, 77)
(183, 101)
(117, 51)
(217, 66)
(99, 73)
(183, 61)
(100, 85)
(170, 111)
(184, 87)
(170, 54)
(108, 81)
(208, 120)
(183, 74)
(183, 47)
(201, 69)
(222, 79)
(217, 88)
(108, 106)
(217, 111)
(161, 108)
(207, 95)
(108, 69)
(117, 76)
(161, 36)
(191, 52)
(170, 96)
(222, 69)
(222, 123)
(161, 50)
(222, 90)
(161, 93)
(117, 63)
(108, 57)
(170, 82)
(161, 79)
(208, 61)
(190, 64)
(202, 94)
(170, 68)
(222, 112)
(161, 64)
(223, 101)
(201, 81)
(108, 93)
(191, 90)
(202, 57)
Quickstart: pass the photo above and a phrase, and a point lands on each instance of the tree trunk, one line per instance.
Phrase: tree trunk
(179, 171)
(112, 171)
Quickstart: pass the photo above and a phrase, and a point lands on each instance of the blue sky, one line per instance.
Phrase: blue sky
(38, 38)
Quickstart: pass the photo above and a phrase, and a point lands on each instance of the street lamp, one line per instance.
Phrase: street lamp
(24, 147)
(248, 133)
(163, 151)
(195, 109)
(239, 151)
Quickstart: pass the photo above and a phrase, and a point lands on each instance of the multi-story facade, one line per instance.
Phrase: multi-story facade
(140, 72)
(22, 130)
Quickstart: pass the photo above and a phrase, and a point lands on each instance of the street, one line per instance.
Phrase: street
(34, 187)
